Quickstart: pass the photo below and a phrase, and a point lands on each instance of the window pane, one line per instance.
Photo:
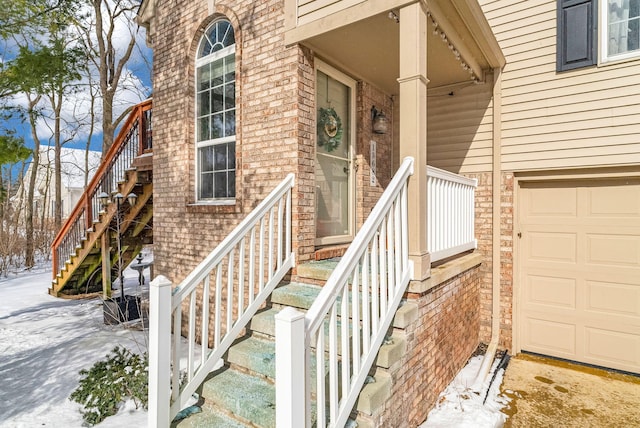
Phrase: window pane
(205, 48)
(218, 102)
(217, 72)
(231, 177)
(216, 126)
(206, 159)
(204, 77)
(206, 186)
(221, 185)
(204, 107)
(220, 157)
(203, 128)
(229, 95)
(232, 156)
(230, 68)
(230, 123)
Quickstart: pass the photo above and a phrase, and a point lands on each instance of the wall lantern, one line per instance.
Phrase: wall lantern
(379, 122)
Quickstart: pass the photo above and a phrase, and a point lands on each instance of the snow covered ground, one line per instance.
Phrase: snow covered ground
(46, 341)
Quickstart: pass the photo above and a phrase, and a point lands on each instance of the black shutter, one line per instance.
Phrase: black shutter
(576, 34)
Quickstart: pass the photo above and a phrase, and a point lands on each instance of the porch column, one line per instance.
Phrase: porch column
(413, 129)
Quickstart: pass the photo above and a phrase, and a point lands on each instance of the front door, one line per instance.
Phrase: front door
(335, 108)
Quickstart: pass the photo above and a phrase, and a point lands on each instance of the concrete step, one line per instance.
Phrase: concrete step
(249, 398)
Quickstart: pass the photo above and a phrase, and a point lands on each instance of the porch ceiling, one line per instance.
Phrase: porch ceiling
(369, 49)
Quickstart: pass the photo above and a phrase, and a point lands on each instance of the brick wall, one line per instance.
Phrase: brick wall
(484, 235)
(439, 343)
(272, 119)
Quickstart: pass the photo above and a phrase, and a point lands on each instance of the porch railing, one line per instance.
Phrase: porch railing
(133, 140)
(348, 320)
(450, 221)
(223, 293)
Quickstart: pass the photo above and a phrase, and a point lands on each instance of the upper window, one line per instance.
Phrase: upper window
(577, 32)
(216, 114)
(621, 32)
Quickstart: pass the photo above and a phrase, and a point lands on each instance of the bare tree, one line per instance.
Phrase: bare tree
(110, 62)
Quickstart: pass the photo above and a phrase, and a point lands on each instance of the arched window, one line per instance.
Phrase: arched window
(216, 114)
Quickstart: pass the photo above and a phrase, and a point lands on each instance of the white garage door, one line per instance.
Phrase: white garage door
(579, 271)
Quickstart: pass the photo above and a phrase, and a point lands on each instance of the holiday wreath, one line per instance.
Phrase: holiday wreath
(329, 129)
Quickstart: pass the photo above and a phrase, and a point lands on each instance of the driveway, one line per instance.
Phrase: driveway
(551, 393)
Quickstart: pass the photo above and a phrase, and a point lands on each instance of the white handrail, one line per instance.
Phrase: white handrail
(220, 284)
(355, 307)
(451, 215)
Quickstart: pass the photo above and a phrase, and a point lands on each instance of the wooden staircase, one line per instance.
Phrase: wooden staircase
(242, 392)
(91, 230)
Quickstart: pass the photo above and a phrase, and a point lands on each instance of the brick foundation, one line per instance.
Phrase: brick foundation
(439, 343)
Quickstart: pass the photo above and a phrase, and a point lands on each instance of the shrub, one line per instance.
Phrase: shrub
(121, 375)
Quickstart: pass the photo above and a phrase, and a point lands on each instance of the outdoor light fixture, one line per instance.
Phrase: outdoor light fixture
(105, 200)
(379, 122)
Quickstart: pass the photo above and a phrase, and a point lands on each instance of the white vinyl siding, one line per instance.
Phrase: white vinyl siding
(579, 118)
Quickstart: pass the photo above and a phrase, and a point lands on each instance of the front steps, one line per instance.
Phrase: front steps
(242, 392)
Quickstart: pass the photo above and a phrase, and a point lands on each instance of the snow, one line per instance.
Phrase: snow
(460, 405)
(44, 343)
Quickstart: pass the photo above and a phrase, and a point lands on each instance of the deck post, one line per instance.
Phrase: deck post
(159, 352)
(290, 369)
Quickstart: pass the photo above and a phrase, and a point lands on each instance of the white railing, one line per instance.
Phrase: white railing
(222, 293)
(347, 323)
(450, 218)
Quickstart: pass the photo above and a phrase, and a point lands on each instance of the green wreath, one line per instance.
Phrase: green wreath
(329, 129)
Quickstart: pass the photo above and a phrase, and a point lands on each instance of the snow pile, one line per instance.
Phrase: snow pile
(461, 406)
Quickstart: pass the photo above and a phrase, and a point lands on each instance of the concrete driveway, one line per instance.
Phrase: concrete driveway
(551, 393)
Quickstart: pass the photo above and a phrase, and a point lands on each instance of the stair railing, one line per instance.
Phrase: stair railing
(222, 293)
(128, 145)
(354, 309)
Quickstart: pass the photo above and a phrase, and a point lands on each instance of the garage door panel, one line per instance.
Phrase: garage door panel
(555, 202)
(613, 201)
(555, 247)
(580, 276)
(546, 336)
(551, 291)
(612, 348)
(623, 250)
(613, 298)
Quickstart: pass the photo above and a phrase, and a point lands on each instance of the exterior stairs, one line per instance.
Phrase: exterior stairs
(242, 392)
(91, 231)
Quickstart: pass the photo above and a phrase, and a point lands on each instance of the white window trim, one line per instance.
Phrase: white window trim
(603, 35)
(200, 144)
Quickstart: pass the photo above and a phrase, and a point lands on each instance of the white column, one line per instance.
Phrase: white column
(290, 370)
(159, 352)
(413, 129)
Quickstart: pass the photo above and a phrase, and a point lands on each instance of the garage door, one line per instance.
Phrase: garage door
(579, 271)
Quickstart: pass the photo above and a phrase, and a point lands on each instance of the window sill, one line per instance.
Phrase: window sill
(223, 207)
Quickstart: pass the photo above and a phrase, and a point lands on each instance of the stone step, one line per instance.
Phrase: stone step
(295, 294)
(374, 394)
(257, 355)
(319, 270)
(249, 398)
(208, 418)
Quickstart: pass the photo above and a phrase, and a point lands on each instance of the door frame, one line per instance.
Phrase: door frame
(351, 83)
